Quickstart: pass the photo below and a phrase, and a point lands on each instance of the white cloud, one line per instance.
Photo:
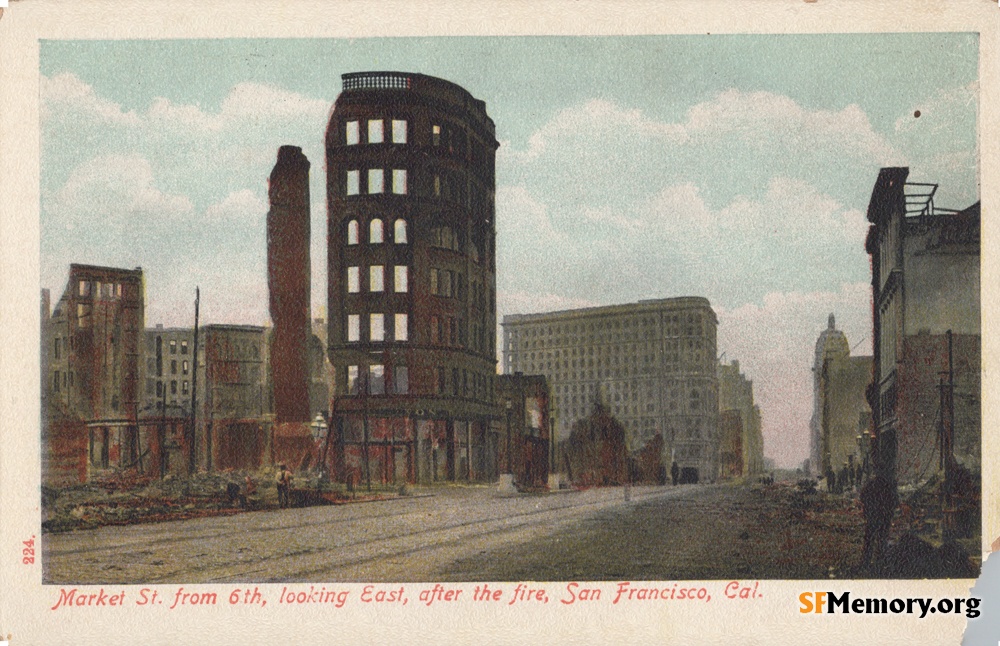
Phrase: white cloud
(66, 95)
(111, 187)
(524, 213)
(757, 120)
(791, 237)
(239, 206)
(262, 102)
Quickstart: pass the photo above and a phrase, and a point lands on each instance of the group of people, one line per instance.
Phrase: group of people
(849, 477)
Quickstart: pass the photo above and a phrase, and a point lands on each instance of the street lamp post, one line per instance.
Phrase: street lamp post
(509, 405)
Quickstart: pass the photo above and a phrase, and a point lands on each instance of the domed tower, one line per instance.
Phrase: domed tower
(410, 162)
(831, 344)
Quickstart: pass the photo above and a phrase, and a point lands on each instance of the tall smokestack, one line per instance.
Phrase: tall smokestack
(288, 283)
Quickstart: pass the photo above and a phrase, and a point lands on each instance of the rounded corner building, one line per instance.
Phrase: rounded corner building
(410, 162)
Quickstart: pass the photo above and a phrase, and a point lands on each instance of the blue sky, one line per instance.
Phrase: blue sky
(735, 167)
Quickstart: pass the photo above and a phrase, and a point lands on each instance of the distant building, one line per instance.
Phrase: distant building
(831, 343)
(840, 409)
(926, 390)
(93, 343)
(320, 371)
(169, 362)
(522, 443)
(235, 422)
(744, 452)
(410, 167)
(165, 412)
(731, 443)
(651, 363)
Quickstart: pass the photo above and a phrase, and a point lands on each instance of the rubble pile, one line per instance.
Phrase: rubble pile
(121, 501)
(130, 500)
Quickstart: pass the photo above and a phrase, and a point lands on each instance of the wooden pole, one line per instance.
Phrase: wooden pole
(192, 452)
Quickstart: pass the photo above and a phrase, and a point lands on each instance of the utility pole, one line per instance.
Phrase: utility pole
(364, 427)
(192, 452)
(509, 405)
(163, 433)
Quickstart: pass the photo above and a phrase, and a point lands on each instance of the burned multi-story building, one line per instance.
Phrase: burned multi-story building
(411, 270)
(925, 393)
(652, 364)
(521, 447)
(234, 418)
(165, 413)
(93, 342)
(740, 437)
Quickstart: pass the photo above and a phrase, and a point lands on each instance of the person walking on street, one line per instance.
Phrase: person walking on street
(284, 482)
(879, 500)
(675, 472)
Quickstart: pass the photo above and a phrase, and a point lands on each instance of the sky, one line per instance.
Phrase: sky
(734, 167)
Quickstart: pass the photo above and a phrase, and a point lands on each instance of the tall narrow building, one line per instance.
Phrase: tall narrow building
(288, 283)
(412, 315)
(831, 344)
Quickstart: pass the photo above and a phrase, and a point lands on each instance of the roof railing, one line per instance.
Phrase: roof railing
(920, 201)
(376, 81)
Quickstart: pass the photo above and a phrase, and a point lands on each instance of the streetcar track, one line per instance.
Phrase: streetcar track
(504, 523)
(496, 522)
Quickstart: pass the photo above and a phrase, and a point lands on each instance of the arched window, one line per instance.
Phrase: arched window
(352, 232)
(399, 231)
(445, 238)
(375, 231)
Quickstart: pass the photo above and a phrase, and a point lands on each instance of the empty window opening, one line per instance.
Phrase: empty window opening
(376, 278)
(399, 131)
(375, 131)
(352, 134)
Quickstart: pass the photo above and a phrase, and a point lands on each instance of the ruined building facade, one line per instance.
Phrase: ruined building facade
(289, 284)
(292, 348)
(740, 439)
(521, 447)
(165, 413)
(652, 364)
(925, 393)
(234, 427)
(93, 342)
(410, 162)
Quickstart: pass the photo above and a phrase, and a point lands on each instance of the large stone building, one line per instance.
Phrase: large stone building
(93, 343)
(925, 391)
(411, 270)
(841, 415)
(740, 437)
(652, 364)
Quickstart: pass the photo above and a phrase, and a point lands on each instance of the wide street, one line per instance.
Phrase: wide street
(474, 534)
